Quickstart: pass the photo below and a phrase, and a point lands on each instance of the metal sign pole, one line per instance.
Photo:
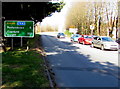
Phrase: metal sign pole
(21, 42)
(92, 28)
(91, 31)
(12, 43)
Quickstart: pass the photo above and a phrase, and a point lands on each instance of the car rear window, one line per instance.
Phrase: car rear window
(61, 33)
(95, 38)
(87, 37)
(77, 35)
(107, 39)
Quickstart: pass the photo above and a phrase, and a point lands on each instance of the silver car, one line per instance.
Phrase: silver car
(104, 42)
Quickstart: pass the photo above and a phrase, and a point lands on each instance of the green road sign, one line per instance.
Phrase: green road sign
(18, 28)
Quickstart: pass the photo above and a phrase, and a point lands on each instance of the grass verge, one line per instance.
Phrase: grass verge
(22, 69)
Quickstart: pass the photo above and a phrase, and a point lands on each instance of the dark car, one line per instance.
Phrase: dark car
(118, 41)
(60, 35)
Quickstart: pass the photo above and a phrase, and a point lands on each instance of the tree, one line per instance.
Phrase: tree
(77, 16)
(29, 10)
(84, 14)
(35, 11)
(112, 15)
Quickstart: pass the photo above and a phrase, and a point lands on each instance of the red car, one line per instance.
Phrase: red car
(85, 39)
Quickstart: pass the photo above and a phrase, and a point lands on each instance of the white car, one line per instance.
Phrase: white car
(104, 42)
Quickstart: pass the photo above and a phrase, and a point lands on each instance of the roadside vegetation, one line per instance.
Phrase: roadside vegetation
(105, 20)
(22, 68)
(68, 33)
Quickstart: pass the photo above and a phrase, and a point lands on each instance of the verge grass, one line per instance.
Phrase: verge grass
(23, 69)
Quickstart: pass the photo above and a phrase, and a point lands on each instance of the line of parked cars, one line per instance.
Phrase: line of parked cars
(102, 42)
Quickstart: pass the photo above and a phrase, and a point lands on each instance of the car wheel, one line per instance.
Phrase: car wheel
(92, 45)
(102, 47)
(83, 43)
(78, 42)
(73, 40)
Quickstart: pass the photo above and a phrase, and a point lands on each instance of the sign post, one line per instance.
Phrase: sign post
(21, 41)
(18, 29)
(92, 28)
(12, 43)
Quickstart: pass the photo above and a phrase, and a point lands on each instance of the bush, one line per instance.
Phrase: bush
(68, 33)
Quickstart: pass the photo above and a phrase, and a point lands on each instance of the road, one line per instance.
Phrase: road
(77, 65)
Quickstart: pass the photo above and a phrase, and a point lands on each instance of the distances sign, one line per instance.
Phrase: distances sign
(19, 28)
(73, 30)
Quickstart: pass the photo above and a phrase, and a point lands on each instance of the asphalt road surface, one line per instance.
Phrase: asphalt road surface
(77, 65)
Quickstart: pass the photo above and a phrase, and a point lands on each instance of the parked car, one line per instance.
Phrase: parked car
(85, 39)
(60, 35)
(104, 42)
(75, 37)
(118, 41)
(94, 36)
